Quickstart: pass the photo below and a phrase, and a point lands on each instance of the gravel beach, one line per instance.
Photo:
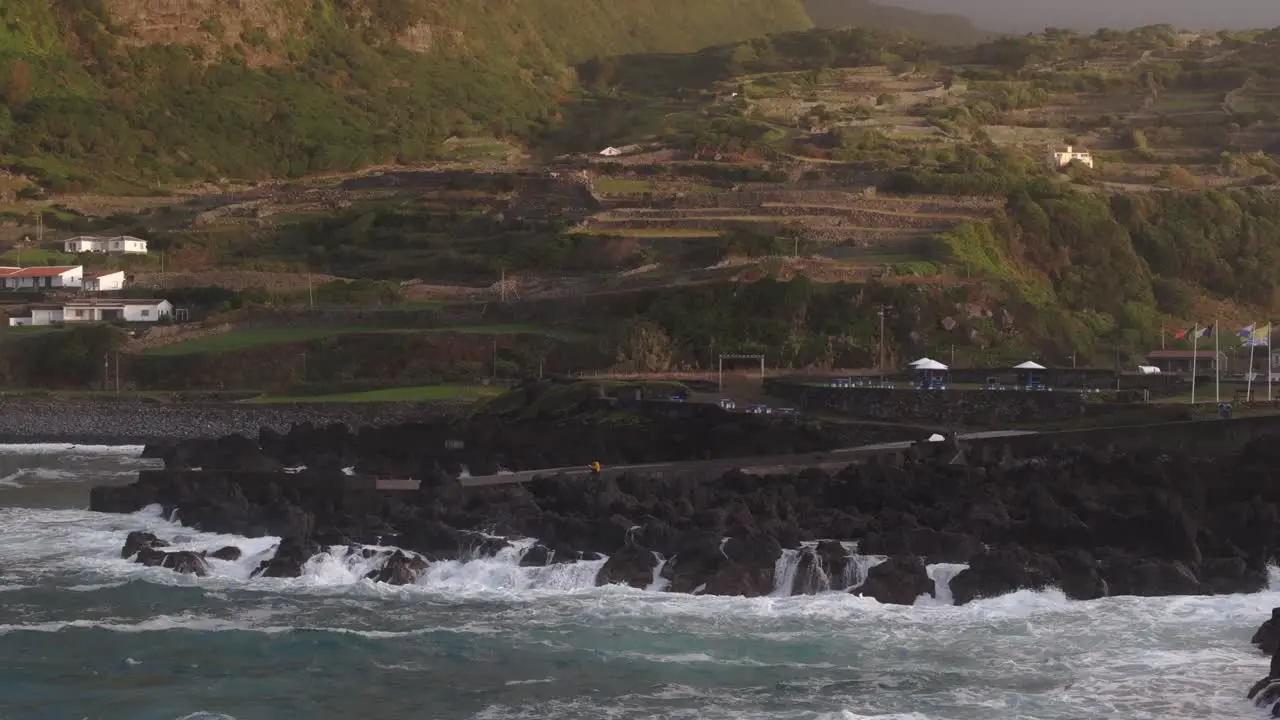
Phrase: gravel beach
(27, 419)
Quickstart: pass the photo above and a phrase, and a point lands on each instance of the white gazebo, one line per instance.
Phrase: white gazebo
(1028, 374)
(930, 372)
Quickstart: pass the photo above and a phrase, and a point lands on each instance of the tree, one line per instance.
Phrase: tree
(18, 88)
(645, 347)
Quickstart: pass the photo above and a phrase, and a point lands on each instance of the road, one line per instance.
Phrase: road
(830, 459)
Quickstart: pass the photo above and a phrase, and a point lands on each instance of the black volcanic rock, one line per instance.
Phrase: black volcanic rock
(180, 561)
(630, 566)
(287, 562)
(137, 541)
(1267, 636)
(897, 581)
(229, 553)
(1000, 572)
(1093, 523)
(399, 569)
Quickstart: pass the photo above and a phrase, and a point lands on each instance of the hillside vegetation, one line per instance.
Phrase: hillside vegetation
(936, 27)
(96, 91)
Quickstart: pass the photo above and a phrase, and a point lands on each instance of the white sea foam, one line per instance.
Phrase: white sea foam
(29, 476)
(69, 449)
(1027, 654)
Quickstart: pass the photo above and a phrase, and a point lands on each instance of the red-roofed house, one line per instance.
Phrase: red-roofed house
(36, 278)
(103, 280)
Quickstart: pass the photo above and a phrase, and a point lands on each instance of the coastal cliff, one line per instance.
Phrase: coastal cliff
(1091, 523)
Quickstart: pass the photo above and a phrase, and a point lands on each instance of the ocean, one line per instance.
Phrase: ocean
(87, 635)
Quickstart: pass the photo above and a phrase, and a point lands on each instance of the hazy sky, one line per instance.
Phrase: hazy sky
(1028, 15)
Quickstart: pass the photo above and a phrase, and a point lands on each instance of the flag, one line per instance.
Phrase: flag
(1207, 332)
(1246, 333)
(1262, 336)
(1253, 336)
(1193, 333)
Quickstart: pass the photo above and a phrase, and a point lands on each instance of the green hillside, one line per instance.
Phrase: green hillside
(935, 27)
(119, 92)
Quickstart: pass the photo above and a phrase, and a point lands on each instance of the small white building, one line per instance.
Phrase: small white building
(103, 281)
(97, 244)
(42, 278)
(91, 311)
(1059, 159)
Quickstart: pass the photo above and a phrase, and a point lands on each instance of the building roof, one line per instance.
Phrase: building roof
(35, 272)
(112, 303)
(1180, 354)
(103, 238)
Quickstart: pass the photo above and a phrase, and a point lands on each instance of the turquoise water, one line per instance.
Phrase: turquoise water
(85, 634)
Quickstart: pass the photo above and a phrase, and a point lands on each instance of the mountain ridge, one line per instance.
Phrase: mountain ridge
(940, 27)
(283, 88)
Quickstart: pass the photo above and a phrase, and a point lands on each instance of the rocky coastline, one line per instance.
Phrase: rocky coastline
(1086, 522)
(28, 418)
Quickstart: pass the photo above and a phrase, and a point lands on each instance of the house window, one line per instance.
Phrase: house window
(79, 313)
(146, 313)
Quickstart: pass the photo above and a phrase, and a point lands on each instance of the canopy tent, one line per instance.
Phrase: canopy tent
(1029, 375)
(918, 362)
(930, 372)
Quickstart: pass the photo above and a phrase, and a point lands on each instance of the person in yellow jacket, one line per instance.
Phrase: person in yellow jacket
(595, 467)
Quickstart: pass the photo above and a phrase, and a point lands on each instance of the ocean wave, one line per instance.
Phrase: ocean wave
(22, 478)
(69, 449)
(196, 623)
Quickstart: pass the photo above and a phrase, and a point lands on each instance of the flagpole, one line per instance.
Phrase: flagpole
(1248, 390)
(1217, 362)
(1195, 340)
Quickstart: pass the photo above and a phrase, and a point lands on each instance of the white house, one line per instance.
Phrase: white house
(97, 244)
(88, 311)
(38, 278)
(1059, 159)
(104, 281)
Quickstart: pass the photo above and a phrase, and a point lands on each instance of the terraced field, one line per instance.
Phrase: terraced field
(831, 223)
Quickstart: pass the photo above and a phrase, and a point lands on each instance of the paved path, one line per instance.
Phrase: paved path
(831, 459)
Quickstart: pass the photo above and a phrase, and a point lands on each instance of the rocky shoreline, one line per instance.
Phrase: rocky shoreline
(133, 421)
(1091, 524)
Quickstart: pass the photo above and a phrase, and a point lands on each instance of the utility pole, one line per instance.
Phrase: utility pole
(881, 309)
(311, 297)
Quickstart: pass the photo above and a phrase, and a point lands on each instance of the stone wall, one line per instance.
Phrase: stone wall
(1198, 437)
(941, 407)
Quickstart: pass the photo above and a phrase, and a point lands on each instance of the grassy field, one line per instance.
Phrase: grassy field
(29, 330)
(421, 393)
(246, 338)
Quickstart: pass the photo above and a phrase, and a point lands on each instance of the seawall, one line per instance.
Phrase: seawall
(28, 418)
(1196, 437)
(993, 408)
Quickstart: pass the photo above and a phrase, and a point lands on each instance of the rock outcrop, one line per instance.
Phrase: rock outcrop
(1092, 524)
